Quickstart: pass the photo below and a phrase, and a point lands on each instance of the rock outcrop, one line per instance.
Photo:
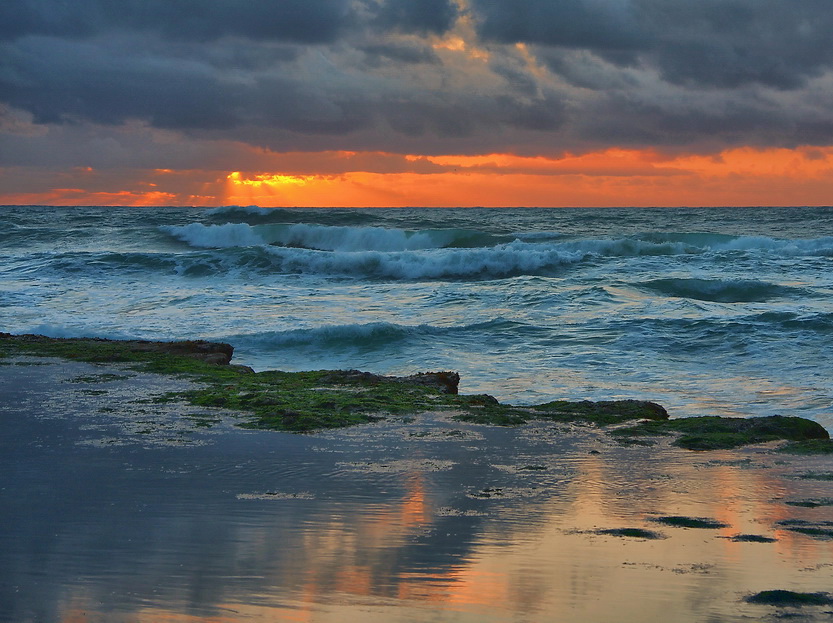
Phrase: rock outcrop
(209, 352)
(445, 382)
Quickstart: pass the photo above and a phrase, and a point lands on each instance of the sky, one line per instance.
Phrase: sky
(416, 102)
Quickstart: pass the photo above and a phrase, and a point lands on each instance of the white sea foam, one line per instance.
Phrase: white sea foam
(799, 247)
(357, 238)
(321, 237)
(499, 261)
(215, 236)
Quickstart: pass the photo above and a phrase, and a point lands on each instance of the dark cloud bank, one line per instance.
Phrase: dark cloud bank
(376, 74)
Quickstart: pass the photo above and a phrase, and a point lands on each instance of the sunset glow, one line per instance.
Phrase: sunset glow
(742, 176)
(606, 178)
(470, 103)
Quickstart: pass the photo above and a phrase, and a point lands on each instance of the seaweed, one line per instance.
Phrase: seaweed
(815, 476)
(751, 538)
(819, 529)
(636, 533)
(689, 522)
(813, 503)
(789, 598)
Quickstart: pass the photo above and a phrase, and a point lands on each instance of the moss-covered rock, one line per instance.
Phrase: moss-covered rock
(306, 401)
(603, 412)
(190, 356)
(712, 432)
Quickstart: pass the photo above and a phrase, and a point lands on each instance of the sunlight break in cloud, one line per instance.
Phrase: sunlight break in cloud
(624, 88)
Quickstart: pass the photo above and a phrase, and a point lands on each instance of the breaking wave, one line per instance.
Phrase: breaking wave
(326, 237)
(398, 254)
(369, 238)
(215, 236)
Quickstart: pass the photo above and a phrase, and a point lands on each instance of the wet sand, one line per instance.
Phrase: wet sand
(118, 508)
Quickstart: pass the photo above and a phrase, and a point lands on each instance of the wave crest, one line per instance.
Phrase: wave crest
(325, 237)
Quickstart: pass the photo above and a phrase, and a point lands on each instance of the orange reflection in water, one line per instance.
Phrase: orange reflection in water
(547, 562)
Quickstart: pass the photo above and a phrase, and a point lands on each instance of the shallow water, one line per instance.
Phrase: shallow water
(124, 511)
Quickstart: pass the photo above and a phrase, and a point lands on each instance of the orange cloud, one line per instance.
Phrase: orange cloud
(614, 177)
(611, 177)
(81, 197)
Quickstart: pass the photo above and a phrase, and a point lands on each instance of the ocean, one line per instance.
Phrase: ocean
(712, 311)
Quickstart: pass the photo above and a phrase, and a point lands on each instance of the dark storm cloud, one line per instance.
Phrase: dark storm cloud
(714, 43)
(203, 20)
(417, 16)
(411, 75)
(57, 81)
(407, 53)
(334, 90)
(207, 64)
(570, 23)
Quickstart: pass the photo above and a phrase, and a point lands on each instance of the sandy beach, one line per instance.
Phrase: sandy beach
(118, 507)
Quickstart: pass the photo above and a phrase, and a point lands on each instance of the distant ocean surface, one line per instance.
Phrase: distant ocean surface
(714, 311)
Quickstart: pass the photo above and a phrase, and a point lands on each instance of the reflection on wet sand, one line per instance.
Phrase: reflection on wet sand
(355, 565)
(430, 520)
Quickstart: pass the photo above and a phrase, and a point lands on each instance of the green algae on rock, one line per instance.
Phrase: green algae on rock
(190, 356)
(313, 400)
(485, 409)
(306, 401)
(714, 433)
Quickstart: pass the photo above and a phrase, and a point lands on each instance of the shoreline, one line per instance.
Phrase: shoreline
(316, 400)
(102, 444)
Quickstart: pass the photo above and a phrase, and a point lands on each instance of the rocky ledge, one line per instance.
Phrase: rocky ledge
(217, 353)
(314, 400)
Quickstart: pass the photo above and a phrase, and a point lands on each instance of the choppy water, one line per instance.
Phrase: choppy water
(708, 311)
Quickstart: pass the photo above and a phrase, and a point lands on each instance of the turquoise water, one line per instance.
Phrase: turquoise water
(707, 311)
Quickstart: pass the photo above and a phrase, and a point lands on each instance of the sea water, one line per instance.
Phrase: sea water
(718, 311)
(115, 508)
(118, 508)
